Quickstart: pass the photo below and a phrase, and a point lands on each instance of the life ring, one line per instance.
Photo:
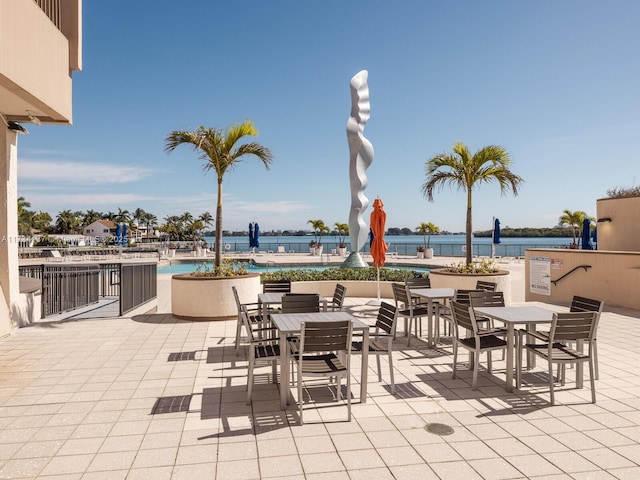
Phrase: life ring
(464, 248)
(227, 246)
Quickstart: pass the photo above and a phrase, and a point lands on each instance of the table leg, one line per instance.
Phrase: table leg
(365, 366)
(510, 345)
(284, 371)
(429, 321)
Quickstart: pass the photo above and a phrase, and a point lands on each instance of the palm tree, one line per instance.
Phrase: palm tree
(573, 220)
(149, 220)
(318, 227)
(91, 216)
(343, 231)
(25, 217)
(427, 229)
(220, 151)
(206, 218)
(464, 171)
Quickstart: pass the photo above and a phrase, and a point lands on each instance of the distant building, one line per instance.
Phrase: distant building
(99, 231)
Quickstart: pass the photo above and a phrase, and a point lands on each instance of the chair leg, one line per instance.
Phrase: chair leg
(250, 378)
(379, 369)
(476, 367)
(393, 383)
(489, 369)
(518, 360)
(592, 378)
(553, 402)
(455, 357)
(595, 360)
(409, 332)
(348, 375)
(300, 398)
(238, 333)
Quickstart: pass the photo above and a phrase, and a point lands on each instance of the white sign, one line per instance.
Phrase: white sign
(540, 275)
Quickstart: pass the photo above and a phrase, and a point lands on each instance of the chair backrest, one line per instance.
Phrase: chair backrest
(325, 336)
(484, 285)
(573, 326)
(583, 304)
(338, 295)
(237, 297)
(401, 294)
(280, 249)
(463, 317)
(244, 319)
(421, 282)
(300, 303)
(486, 299)
(270, 286)
(387, 316)
(463, 296)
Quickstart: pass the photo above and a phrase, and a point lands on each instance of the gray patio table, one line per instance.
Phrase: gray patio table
(530, 316)
(275, 298)
(432, 294)
(290, 324)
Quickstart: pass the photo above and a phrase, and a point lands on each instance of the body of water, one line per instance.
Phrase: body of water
(443, 245)
(188, 267)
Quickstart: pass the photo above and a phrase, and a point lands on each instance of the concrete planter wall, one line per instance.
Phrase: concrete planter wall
(442, 278)
(211, 298)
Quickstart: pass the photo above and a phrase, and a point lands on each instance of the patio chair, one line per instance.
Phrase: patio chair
(486, 298)
(263, 346)
(580, 304)
(409, 310)
(338, 298)
(488, 286)
(565, 328)
(477, 341)
(275, 286)
(300, 303)
(252, 312)
(462, 296)
(381, 340)
(325, 351)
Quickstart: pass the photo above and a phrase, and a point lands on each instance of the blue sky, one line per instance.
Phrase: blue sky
(554, 82)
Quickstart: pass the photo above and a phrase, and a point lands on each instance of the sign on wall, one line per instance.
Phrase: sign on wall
(540, 275)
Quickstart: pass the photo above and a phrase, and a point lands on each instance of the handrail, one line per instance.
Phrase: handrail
(555, 282)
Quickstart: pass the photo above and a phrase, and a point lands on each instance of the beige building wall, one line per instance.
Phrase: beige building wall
(610, 276)
(619, 225)
(39, 50)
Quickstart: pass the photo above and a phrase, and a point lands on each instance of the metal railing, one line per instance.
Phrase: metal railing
(138, 285)
(51, 8)
(68, 287)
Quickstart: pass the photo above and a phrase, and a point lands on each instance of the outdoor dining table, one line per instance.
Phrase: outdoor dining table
(265, 300)
(431, 294)
(530, 316)
(290, 324)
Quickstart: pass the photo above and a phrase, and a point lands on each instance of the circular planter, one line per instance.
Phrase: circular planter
(211, 298)
(441, 278)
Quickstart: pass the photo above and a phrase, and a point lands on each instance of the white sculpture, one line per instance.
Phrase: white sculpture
(360, 157)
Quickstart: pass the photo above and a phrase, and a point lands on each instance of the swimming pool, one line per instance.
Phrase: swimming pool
(189, 267)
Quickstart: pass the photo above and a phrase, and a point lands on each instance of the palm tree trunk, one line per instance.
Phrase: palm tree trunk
(218, 258)
(469, 227)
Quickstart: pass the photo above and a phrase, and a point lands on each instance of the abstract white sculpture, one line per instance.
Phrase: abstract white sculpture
(360, 157)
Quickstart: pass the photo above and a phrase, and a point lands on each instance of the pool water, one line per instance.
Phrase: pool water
(189, 267)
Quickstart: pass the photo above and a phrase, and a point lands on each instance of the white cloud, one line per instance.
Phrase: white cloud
(81, 172)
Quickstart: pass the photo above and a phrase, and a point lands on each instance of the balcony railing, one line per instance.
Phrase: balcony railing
(51, 8)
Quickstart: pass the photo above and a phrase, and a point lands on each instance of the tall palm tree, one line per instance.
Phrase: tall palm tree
(318, 227)
(221, 151)
(25, 217)
(206, 218)
(149, 220)
(464, 171)
(91, 216)
(343, 231)
(573, 220)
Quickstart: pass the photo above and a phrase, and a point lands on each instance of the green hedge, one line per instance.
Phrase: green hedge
(359, 274)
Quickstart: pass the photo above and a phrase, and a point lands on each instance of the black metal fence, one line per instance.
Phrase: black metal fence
(68, 287)
(138, 285)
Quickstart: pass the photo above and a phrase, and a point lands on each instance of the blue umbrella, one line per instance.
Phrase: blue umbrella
(251, 236)
(586, 235)
(496, 231)
(594, 238)
(256, 235)
(118, 233)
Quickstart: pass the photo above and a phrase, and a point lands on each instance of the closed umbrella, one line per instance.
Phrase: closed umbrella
(594, 238)
(495, 236)
(377, 221)
(251, 235)
(256, 235)
(586, 235)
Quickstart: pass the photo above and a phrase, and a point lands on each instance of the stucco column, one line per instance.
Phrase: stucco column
(9, 282)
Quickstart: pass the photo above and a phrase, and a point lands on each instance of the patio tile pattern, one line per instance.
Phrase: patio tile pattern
(77, 400)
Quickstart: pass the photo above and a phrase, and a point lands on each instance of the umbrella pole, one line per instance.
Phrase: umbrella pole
(377, 301)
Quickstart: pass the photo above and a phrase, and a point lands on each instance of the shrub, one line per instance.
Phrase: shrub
(358, 274)
(227, 268)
